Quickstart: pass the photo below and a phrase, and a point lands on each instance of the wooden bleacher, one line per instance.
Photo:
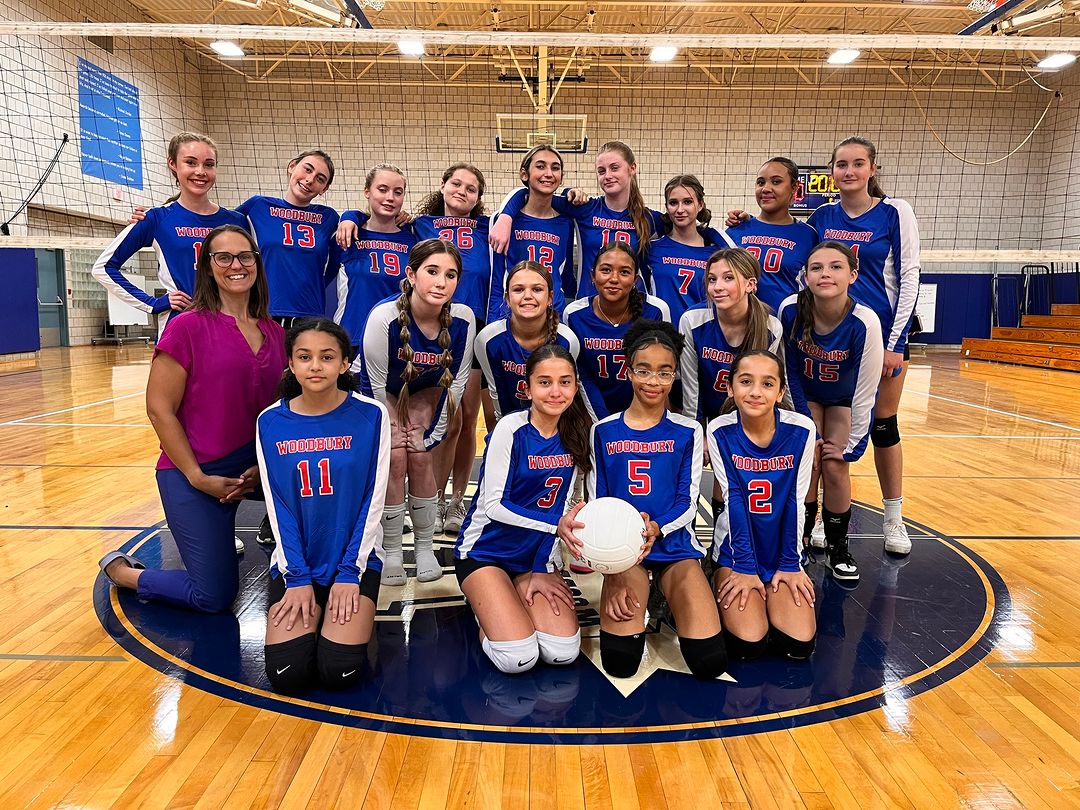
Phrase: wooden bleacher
(1046, 341)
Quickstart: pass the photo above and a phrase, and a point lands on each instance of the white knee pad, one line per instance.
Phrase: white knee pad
(512, 657)
(558, 650)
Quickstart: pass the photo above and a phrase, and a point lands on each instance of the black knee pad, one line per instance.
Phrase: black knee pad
(621, 655)
(706, 657)
(787, 647)
(742, 650)
(290, 665)
(885, 432)
(341, 666)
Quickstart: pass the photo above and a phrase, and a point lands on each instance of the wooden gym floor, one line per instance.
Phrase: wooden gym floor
(992, 461)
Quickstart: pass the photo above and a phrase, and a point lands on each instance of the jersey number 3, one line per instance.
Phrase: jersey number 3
(325, 487)
(547, 500)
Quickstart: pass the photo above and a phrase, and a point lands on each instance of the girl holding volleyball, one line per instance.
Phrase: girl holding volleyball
(762, 456)
(417, 354)
(505, 558)
(652, 458)
(324, 458)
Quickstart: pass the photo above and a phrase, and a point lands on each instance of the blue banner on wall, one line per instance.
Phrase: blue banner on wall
(110, 138)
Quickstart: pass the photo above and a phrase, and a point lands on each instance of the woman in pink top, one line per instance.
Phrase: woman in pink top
(214, 371)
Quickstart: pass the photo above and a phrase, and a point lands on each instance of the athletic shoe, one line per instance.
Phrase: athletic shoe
(896, 538)
(265, 536)
(239, 545)
(112, 557)
(440, 515)
(817, 535)
(841, 563)
(455, 516)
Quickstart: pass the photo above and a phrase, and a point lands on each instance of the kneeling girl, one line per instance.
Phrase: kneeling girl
(506, 554)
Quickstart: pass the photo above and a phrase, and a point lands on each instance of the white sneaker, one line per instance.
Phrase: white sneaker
(455, 516)
(817, 535)
(239, 545)
(440, 515)
(896, 538)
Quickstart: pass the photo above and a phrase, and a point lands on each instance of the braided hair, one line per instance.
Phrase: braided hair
(420, 253)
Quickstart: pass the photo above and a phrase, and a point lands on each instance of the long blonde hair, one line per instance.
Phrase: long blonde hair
(420, 253)
(757, 319)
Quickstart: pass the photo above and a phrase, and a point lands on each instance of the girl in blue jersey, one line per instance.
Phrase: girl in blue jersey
(834, 355)
(374, 260)
(677, 259)
(652, 458)
(600, 321)
(507, 555)
(883, 234)
(296, 238)
(417, 354)
(503, 347)
(762, 456)
(619, 215)
(176, 230)
(775, 238)
(538, 233)
(324, 459)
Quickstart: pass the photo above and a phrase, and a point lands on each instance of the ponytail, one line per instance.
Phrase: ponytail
(446, 380)
(757, 319)
(873, 187)
(637, 302)
(552, 325)
(804, 318)
(406, 352)
(639, 213)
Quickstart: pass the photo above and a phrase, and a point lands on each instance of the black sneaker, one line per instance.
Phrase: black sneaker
(265, 537)
(841, 563)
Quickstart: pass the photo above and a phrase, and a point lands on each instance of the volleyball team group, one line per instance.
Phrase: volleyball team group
(771, 351)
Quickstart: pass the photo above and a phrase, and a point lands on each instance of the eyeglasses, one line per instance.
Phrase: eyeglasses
(222, 258)
(645, 374)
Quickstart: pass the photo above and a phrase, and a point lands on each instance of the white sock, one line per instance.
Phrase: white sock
(393, 572)
(892, 509)
(423, 512)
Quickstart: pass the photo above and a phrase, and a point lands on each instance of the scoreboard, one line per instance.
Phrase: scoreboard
(816, 188)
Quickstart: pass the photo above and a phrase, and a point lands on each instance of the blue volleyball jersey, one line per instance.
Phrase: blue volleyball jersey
(658, 471)
(503, 360)
(381, 368)
(325, 483)
(677, 271)
(299, 252)
(471, 238)
(781, 250)
(760, 530)
(176, 234)
(548, 242)
(596, 225)
(602, 366)
(706, 360)
(371, 269)
(886, 241)
(521, 494)
(841, 368)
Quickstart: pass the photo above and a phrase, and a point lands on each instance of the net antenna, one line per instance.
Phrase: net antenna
(520, 132)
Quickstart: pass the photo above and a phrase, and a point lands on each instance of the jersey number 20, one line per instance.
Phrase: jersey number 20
(325, 487)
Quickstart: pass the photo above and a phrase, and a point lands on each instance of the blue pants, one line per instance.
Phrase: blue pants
(203, 529)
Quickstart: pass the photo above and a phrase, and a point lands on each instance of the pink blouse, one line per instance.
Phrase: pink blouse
(228, 385)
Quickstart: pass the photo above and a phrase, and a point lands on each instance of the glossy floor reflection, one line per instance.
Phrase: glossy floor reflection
(908, 625)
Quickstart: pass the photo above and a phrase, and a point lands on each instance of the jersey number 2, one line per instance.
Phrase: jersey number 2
(760, 501)
(325, 487)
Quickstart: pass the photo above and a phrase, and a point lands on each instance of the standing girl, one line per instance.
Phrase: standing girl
(417, 353)
(652, 458)
(505, 557)
(883, 234)
(374, 260)
(677, 259)
(324, 458)
(600, 322)
(834, 356)
(619, 215)
(762, 457)
(503, 347)
(775, 238)
(176, 229)
(224, 351)
(538, 233)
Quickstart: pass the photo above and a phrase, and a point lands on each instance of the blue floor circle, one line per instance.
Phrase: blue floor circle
(909, 625)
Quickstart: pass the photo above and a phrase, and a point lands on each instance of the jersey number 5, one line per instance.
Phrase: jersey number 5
(547, 500)
(325, 487)
(760, 500)
(637, 471)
